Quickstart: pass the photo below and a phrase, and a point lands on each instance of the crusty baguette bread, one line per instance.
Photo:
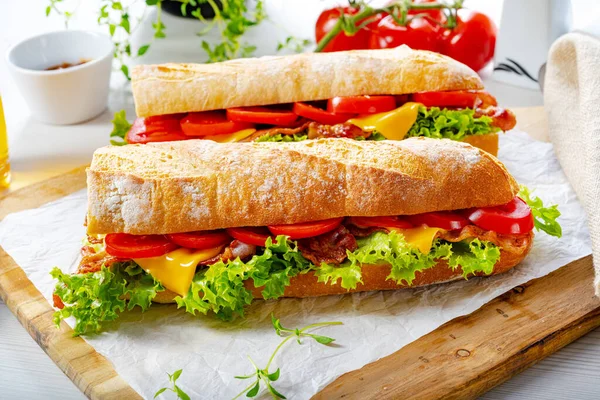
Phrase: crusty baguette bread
(176, 88)
(374, 277)
(194, 185)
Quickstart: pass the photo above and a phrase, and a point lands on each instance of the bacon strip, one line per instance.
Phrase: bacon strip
(515, 244)
(329, 247)
(501, 117)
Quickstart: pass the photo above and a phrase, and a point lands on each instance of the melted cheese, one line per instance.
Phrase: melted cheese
(231, 137)
(394, 125)
(175, 270)
(420, 238)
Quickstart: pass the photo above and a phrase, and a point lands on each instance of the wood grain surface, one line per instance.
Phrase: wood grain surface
(461, 359)
(90, 371)
(469, 355)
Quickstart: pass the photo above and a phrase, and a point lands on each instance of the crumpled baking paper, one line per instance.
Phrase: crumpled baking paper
(143, 347)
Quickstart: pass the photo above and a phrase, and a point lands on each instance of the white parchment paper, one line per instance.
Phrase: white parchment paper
(144, 346)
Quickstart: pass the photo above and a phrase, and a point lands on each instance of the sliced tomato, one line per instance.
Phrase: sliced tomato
(320, 115)
(361, 104)
(200, 239)
(155, 129)
(208, 123)
(123, 245)
(380, 222)
(511, 218)
(155, 119)
(457, 98)
(306, 229)
(250, 235)
(262, 115)
(439, 219)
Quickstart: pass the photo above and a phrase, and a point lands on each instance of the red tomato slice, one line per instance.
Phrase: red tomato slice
(380, 222)
(361, 104)
(319, 115)
(262, 115)
(458, 98)
(306, 229)
(200, 239)
(123, 245)
(512, 218)
(250, 235)
(208, 123)
(440, 219)
(153, 129)
(160, 118)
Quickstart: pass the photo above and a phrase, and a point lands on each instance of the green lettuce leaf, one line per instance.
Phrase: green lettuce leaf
(222, 284)
(98, 297)
(296, 137)
(544, 218)
(120, 128)
(391, 248)
(474, 256)
(439, 123)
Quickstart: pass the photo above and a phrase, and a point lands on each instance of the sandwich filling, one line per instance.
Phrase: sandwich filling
(222, 271)
(456, 115)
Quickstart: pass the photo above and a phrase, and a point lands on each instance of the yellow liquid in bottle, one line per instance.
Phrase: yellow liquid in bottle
(4, 164)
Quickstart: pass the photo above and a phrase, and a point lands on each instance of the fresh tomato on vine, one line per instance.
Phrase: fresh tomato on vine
(329, 18)
(418, 34)
(472, 41)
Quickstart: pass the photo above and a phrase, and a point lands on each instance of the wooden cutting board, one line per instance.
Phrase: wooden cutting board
(462, 359)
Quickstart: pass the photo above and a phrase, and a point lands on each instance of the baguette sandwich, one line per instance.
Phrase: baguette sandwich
(211, 226)
(365, 94)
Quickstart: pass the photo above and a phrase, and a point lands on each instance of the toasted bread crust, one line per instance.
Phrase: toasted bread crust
(198, 184)
(375, 278)
(176, 88)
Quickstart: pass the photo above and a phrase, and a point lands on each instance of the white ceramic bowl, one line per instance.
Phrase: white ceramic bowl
(64, 96)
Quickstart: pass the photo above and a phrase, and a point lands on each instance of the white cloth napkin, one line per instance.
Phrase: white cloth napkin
(572, 101)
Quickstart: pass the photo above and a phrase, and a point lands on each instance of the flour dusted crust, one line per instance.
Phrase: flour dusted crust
(176, 88)
(192, 185)
(375, 277)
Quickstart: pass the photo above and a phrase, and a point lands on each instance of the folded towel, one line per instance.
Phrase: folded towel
(572, 102)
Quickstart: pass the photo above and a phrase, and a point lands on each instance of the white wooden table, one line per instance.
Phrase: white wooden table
(40, 151)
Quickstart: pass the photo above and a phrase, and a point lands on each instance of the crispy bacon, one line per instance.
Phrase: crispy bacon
(329, 247)
(509, 243)
(92, 261)
(234, 250)
(275, 131)
(501, 117)
(58, 303)
(316, 130)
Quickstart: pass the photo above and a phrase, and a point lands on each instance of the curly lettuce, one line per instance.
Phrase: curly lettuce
(544, 218)
(224, 288)
(296, 137)
(391, 248)
(98, 297)
(220, 288)
(437, 123)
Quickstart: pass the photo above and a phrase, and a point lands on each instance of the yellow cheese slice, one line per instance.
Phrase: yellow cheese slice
(231, 137)
(175, 270)
(394, 125)
(420, 238)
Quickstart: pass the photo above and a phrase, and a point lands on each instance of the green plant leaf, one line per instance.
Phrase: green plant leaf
(274, 392)
(159, 392)
(180, 393)
(544, 218)
(176, 375)
(143, 49)
(321, 339)
(254, 391)
(275, 375)
(48, 10)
